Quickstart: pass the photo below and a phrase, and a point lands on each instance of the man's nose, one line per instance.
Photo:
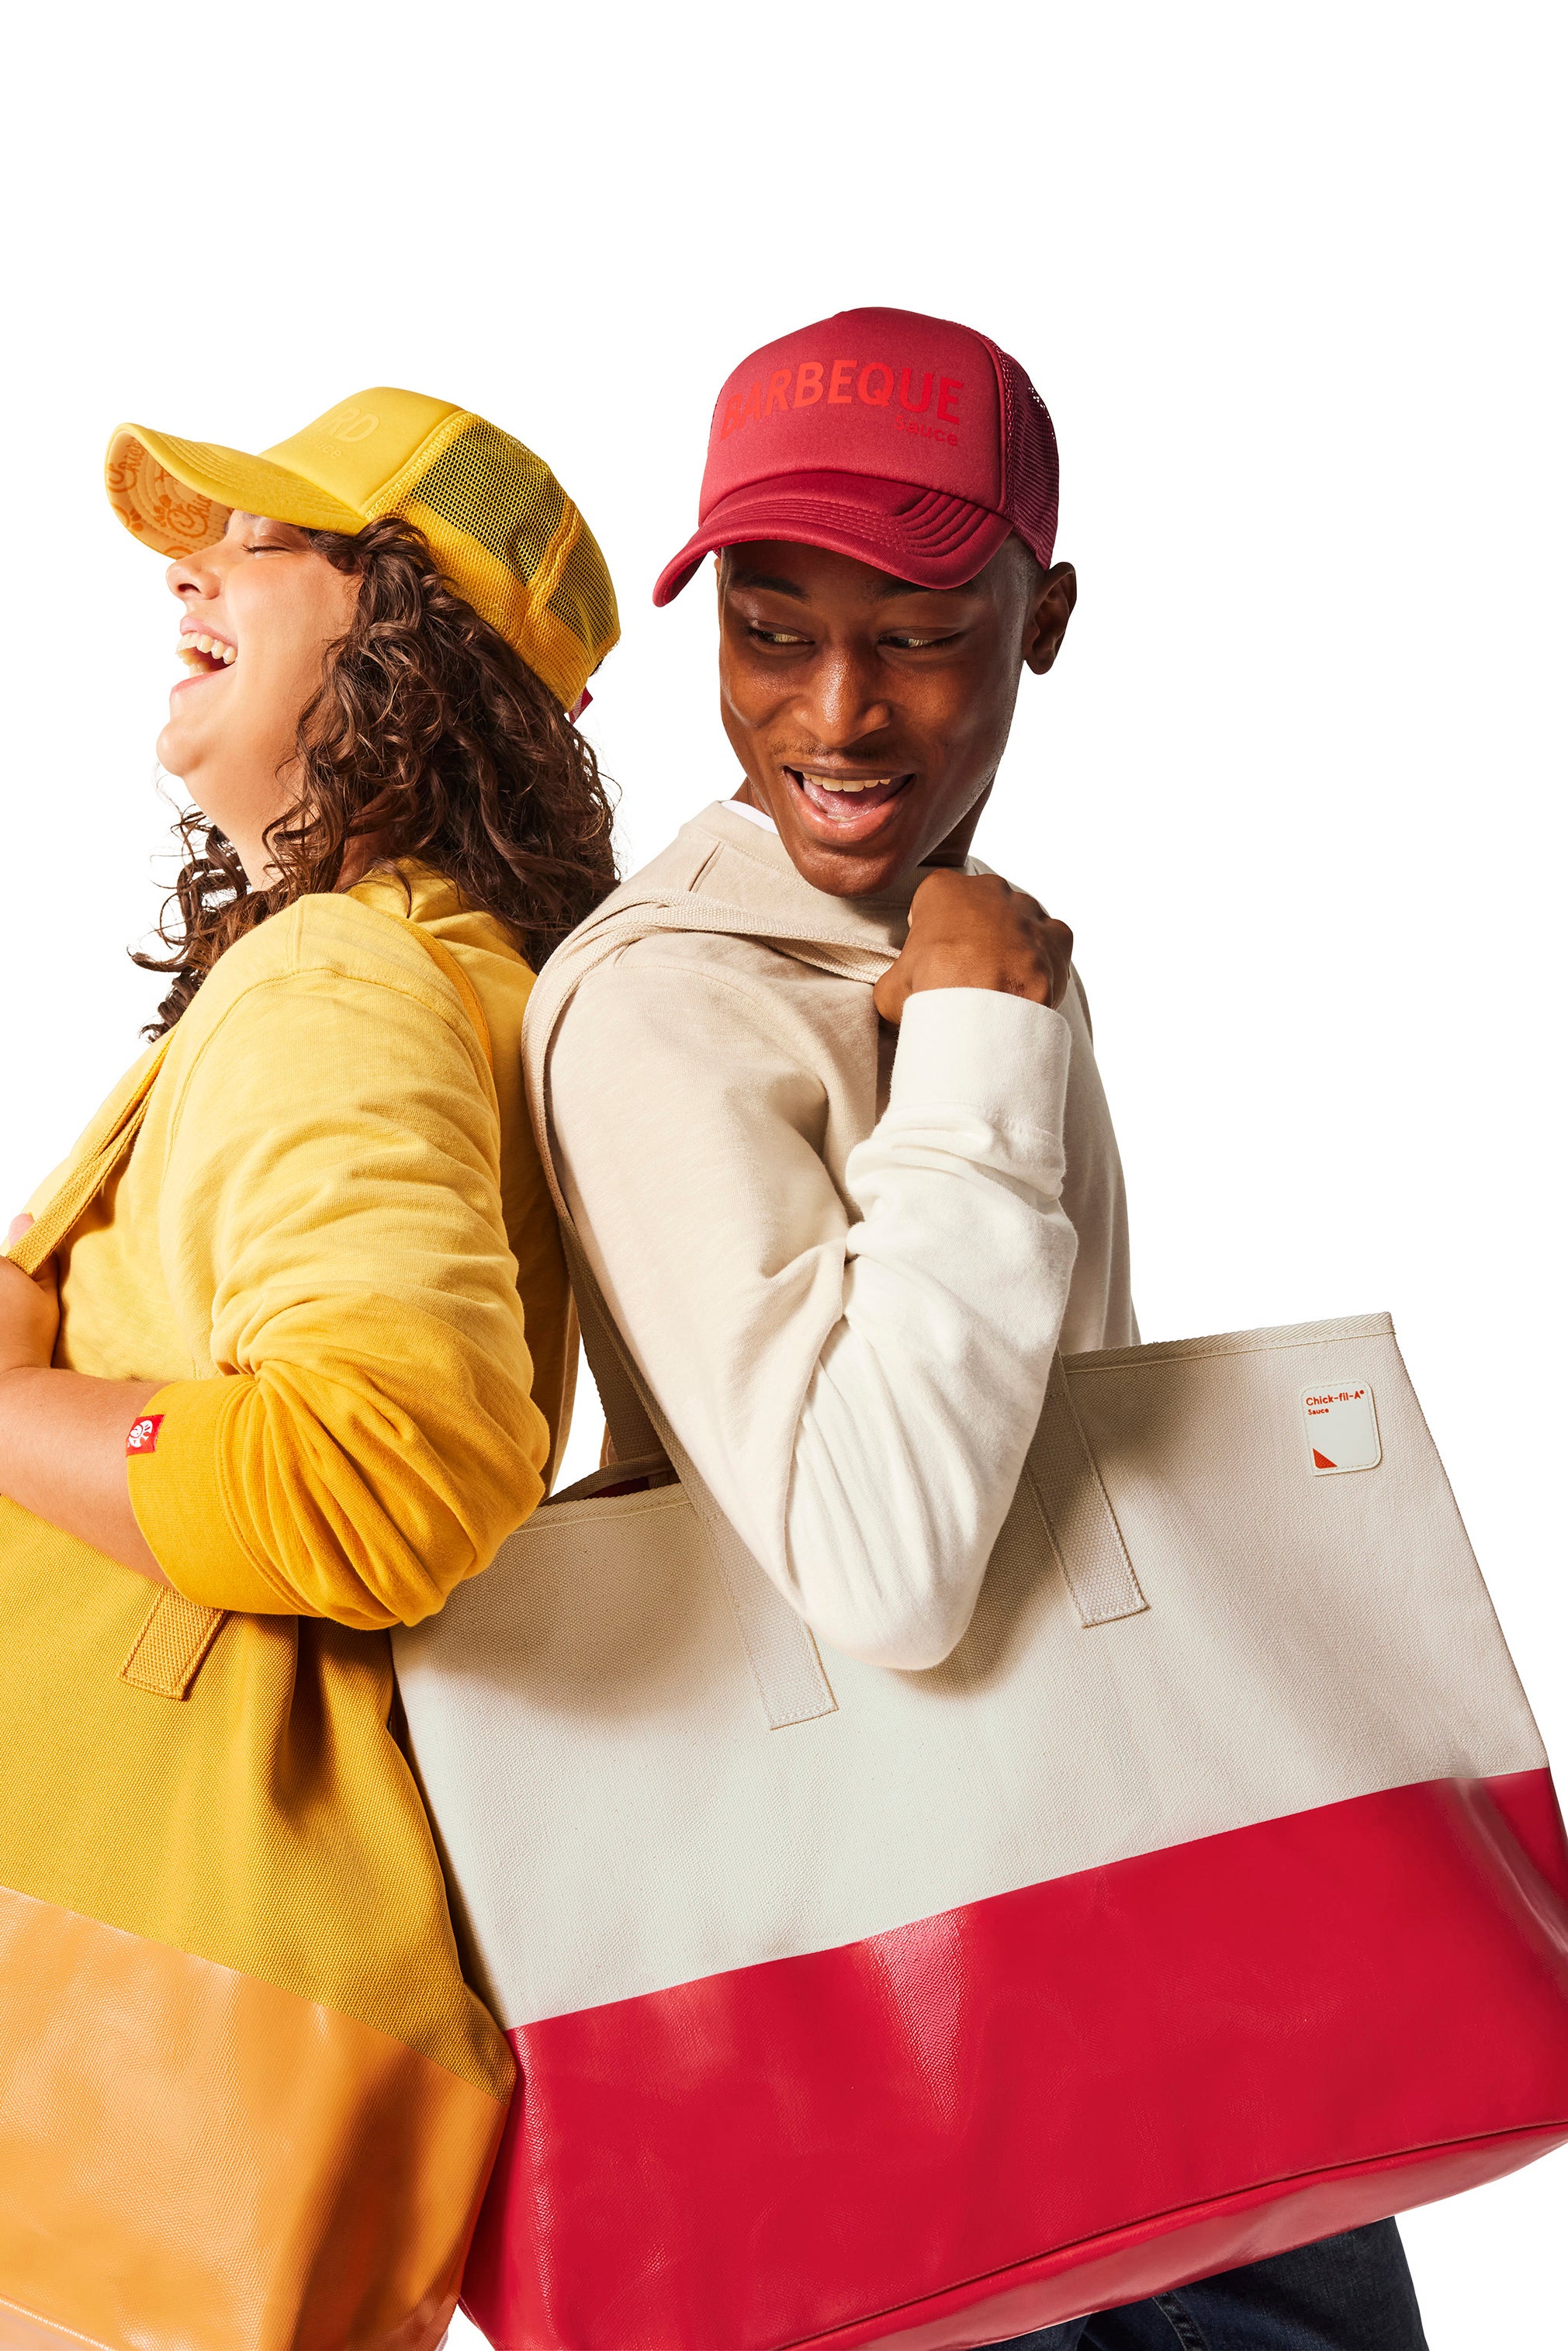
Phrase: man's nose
(847, 699)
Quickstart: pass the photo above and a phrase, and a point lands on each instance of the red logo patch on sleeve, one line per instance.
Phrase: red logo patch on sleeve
(143, 1435)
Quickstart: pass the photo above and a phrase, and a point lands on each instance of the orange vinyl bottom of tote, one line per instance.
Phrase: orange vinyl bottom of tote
(175, 2135)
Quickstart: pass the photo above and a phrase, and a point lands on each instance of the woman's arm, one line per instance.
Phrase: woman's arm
(334, 1242)
(62, 1434)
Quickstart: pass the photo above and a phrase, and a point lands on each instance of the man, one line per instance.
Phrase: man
(843, 1231)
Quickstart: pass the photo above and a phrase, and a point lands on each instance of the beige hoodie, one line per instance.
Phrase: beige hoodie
(843, 1255)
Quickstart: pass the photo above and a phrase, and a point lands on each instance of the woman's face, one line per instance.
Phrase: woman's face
(259, 611)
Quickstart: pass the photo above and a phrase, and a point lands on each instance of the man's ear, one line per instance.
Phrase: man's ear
(1049, 612)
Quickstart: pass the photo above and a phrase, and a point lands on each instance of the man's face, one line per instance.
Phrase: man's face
(869, 715)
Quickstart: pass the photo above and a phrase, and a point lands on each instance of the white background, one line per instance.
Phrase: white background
(1289, 277)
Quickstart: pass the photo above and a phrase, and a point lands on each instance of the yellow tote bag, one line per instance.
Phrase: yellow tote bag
(247, 2101)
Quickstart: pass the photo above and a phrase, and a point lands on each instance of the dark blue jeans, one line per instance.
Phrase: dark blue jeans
(1348, 2293)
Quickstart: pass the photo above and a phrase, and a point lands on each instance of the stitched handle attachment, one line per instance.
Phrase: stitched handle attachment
(1064, 1479)
(167, 1655)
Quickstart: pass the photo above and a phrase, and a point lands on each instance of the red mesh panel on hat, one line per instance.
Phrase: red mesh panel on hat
(1030, 475)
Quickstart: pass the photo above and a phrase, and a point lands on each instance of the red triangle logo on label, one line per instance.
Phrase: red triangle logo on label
(1321, 1461)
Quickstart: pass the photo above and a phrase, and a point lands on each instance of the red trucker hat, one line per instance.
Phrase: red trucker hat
(907, 441)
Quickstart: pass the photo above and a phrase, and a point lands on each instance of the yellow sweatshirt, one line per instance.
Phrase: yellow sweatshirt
(333, 1243)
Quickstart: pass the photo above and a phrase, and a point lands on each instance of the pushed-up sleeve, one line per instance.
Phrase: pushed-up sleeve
(331, 1208)
(856, 1380)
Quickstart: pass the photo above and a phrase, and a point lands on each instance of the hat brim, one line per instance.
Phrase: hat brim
(924, 536)
(177, 496)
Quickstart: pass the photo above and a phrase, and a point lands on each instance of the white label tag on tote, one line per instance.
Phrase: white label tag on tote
(1341, 1429)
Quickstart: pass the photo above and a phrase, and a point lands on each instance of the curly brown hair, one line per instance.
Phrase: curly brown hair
(434, 739)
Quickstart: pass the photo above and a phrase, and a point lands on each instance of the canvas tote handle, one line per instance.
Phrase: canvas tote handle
(1062, 1479)
(176, 1633)
(1061, 1475)
(780, 1648)
(101, 1154)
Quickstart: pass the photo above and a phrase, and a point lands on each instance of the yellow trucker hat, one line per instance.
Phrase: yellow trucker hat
(505, 534)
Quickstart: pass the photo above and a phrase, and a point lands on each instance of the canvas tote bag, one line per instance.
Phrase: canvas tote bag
(247, 2101)
(1210, 1898)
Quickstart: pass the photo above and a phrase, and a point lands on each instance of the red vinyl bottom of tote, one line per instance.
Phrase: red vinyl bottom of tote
(1050, 2101)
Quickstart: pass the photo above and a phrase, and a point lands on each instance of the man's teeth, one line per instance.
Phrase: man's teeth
(844, 783)
(191, 645)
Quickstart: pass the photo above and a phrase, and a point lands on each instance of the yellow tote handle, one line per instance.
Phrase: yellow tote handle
(85, 1179)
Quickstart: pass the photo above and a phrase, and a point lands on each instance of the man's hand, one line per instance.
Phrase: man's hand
(974, 930)
(29, 1310)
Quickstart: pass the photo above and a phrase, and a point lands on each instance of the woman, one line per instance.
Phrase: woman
(301, 1364)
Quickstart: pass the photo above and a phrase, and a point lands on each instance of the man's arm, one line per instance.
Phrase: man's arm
(928, 1391)
(857, 1387)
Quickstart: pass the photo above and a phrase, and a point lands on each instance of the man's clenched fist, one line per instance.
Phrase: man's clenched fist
(975, 930)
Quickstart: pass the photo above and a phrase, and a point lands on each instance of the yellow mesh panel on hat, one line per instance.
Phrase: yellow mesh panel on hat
(512, 543)
(583, 598)
(487, 485)
(509, 605)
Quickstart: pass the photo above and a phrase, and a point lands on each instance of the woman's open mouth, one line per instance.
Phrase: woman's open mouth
(850, 805)
(203, 654)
